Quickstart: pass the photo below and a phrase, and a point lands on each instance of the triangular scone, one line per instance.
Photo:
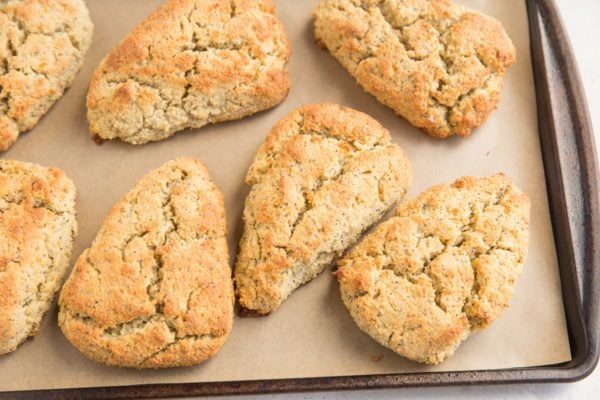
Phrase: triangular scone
(42, 44)
(154, 290)
(37, 227)
(436, 63)
(190, 63)
(444, 266)
(324, 175)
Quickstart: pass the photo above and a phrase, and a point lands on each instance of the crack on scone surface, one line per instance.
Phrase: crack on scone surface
(24, 114)
(432, 107)
(458, 243)
(321, 182)
(183, 98)
(165, 348)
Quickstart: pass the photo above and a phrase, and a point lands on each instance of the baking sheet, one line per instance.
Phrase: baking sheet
(312, 334)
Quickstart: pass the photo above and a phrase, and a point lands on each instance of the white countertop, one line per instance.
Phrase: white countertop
(580, 18)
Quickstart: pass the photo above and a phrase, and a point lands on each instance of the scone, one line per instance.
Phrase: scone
(190, 63)
(442, 268)
(324, 174)
(37, 228)
(437, 64)
(154, 290)
(42, 44)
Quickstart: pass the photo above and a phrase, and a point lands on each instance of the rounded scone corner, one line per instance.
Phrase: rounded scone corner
(444, 266)
(190, 63)
(323, 175)
(154, 290)
(42, 46)
(437, 64)
(37, 229)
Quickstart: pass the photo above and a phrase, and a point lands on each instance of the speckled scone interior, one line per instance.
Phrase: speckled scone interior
(324, 174)
(37, 227)
(154, 289)
(437, 64)
(42, 44)
(442, 268)
(190, 63)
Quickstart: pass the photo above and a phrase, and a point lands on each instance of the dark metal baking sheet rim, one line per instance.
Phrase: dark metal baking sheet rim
(570, 163)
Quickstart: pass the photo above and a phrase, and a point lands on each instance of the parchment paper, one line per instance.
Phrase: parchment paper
(312, 334)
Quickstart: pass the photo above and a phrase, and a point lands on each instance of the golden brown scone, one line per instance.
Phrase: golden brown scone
(442, 268)
(190, 63)
(154, 290)
(324, 174)
(42, 44)
(437, 64)
(37, 227)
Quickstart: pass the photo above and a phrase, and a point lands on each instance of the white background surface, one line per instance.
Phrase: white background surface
(581, 20)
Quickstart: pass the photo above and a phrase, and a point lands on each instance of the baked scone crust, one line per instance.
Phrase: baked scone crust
(442, 268)
(437, 64)
(190, 63)
(42, 45)
(324, 174)
(37, 228)
(154, 289)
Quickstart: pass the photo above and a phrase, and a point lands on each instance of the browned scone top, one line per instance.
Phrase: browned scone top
(42, 44)
(324, 174)
(190, 63)
(437, 64)
(154, 289)
(37, 228)
(442, 268)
